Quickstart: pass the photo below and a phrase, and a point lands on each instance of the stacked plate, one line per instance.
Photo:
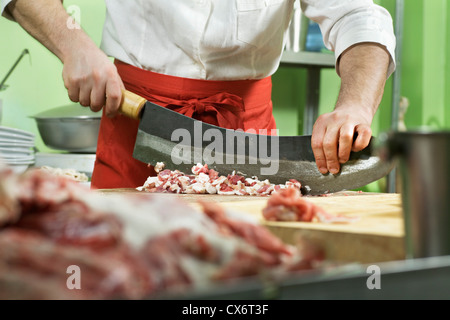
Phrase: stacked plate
(17, 148)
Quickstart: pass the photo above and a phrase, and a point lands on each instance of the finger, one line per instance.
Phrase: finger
(98, 97)
(330, 149)
(363, 138)
(73, 90)
(345, 142)
(85, 94)
(317, 147)
(113, 97)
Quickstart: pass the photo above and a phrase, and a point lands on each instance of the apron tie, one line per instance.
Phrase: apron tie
(223, 109)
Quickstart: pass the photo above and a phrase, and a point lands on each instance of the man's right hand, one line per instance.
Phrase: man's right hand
(89, 75)
(92, 80)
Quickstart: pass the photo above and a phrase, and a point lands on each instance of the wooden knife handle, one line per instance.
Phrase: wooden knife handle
(131, 104)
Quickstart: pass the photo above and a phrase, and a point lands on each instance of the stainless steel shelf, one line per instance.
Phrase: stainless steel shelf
(409, 279)
(308, 59)
(313, 62)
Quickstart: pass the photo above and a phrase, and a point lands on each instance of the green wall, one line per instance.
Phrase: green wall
(36, 84)
(425, 75)
(289, 94)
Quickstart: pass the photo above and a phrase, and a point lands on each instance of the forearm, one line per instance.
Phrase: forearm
(89, 76)
(47, 22)
(363, 71)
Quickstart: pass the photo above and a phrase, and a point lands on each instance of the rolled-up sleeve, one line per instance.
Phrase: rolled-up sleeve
(344, 23)
(4, 12)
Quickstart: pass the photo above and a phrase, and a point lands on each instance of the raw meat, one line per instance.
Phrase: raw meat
(289, 205)
(259, 237)
(74, 223)
(69, 172)
(205, 180)
(126, 246)
(43, 265)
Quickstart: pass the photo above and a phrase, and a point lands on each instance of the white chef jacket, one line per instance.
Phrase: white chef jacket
(232, 39)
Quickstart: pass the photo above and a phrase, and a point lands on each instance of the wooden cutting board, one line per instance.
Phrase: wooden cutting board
(376, 236)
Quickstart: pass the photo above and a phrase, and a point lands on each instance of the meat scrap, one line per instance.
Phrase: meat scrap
(126, 246)
(289, 205)
(69, 172)
(204, 180)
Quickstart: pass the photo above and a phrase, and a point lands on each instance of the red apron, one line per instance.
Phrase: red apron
(242, 104)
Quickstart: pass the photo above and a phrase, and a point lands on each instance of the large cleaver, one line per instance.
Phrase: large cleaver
(181, 142)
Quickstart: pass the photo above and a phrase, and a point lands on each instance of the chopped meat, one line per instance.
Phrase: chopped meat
(159, 167)
(71, 173)
(208, 181)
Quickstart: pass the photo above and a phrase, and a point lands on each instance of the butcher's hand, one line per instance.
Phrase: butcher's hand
(89, 75)
(92, 80)
(337, 133)
(363, 71)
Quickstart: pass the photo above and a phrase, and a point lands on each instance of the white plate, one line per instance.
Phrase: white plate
(19, 168)
(15, 157)
(16, 150)
(15, 143)
(18, 162)
(16, 132)
(15, 137)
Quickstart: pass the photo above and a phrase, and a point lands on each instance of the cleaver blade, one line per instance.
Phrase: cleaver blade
(181, 142)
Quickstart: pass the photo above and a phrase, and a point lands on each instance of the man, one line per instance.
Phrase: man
(212, 60)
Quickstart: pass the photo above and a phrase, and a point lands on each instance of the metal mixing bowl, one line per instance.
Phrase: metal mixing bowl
(71, 128)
